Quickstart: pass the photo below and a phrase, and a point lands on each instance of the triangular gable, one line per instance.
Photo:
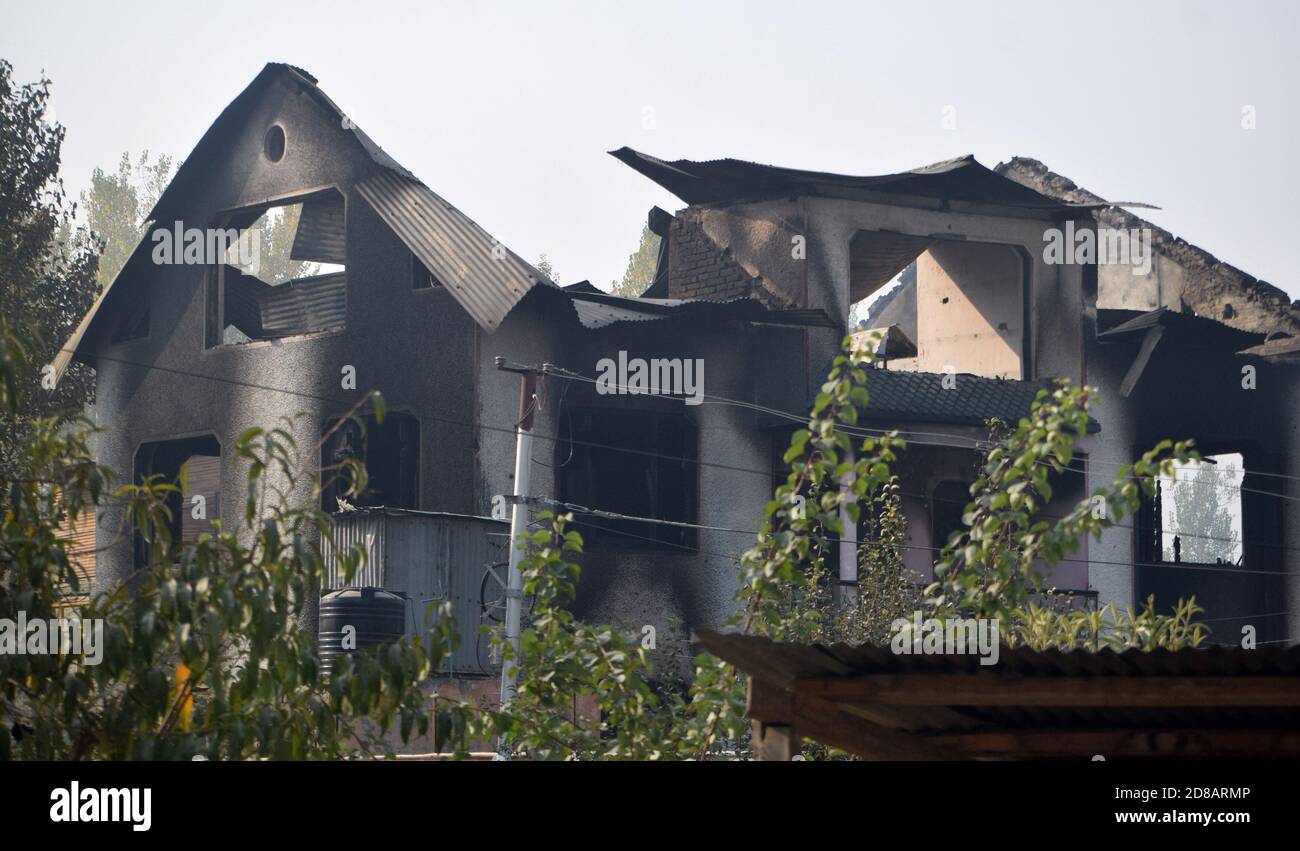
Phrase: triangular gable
(488, 289)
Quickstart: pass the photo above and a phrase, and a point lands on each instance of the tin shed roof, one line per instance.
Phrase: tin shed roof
(1217, 702)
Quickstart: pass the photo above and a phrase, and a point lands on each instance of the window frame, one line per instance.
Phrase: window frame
(214, 314)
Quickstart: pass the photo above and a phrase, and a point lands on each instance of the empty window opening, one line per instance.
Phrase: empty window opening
(284, 274)
(1213, 531)
(198, 505)
(659, 479)
(1200, 511)
(273, 145)
(390, 453)
(133, 325)
(949, 504)
(891, 305)
(421, 277)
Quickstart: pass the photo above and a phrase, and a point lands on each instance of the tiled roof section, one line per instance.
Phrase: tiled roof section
(899, 396)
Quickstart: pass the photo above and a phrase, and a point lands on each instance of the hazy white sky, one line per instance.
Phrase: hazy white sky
(507, 109)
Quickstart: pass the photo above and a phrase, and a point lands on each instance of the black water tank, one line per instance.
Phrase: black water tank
(376, 615)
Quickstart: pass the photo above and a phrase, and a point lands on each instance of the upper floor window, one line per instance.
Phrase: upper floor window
(1200, 511)
(284, 274)
(637, 463)
(421, 277)
(390, 453)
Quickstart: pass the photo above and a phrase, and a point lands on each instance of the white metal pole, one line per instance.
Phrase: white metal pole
(848, 585)
(518, 525)
(515, 582)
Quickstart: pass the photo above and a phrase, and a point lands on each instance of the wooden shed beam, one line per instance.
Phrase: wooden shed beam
(1158, 742)
(996, 690)
(782, 718)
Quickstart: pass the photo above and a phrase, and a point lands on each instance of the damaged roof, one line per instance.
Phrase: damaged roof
(959, 179)
(481, 273)
(1181, 328)
(1214, 288)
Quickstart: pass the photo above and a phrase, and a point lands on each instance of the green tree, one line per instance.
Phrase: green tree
(1203, 504)
(641, 265)
(116, 205)
(276, 228)
(47, 280)
(544, 266)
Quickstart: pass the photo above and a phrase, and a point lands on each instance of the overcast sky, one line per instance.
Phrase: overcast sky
(507, 109)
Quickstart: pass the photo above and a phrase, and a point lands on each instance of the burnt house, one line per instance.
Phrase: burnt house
(365, 278)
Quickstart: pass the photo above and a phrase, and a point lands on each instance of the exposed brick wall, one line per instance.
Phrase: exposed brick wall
(698, 267)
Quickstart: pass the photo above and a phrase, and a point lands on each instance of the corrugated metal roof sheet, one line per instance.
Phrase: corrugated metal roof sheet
(321, 235)
(790, 666)
(959, 179)
(486, 278)
(600, 309)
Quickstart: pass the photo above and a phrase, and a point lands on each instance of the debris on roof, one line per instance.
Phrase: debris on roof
(1213, 288)
(891, 342)
(1180, 328)
(487, 278)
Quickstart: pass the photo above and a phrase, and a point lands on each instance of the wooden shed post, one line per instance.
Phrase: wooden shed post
(772, 710)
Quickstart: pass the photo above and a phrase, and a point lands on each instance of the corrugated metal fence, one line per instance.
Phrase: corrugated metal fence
(429, 557)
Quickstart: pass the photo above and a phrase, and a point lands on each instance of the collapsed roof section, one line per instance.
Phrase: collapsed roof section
(960, 179)
(1170, 328)
(1181, 328)
(482, 274)
(1215, 289)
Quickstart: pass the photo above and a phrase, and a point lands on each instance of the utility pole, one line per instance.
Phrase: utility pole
(848, 548)
(519, 516)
